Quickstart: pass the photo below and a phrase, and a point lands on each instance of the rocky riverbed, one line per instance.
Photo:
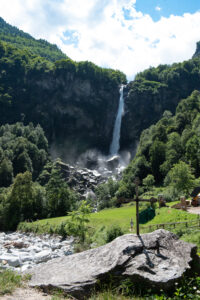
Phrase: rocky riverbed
(22, 251)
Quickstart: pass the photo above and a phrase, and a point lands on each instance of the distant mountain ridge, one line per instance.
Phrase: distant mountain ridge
(22, 40)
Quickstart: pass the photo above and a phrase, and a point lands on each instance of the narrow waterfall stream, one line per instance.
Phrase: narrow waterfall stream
(114, 147)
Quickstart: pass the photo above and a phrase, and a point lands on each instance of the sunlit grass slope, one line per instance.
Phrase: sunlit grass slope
(118, 216)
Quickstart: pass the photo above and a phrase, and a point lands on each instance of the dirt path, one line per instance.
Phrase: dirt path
(194, 210)
(26, 293)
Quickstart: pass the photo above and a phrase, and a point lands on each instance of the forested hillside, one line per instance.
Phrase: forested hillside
(169, 151)
(154, 91)
(75, 103)
(197, 52)
(31, 185)
(22, 148)
(25, 41)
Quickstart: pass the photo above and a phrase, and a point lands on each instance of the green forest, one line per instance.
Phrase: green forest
(63, 96)
(31, 185)
(154, 91)
(168, 152)
(25, 41)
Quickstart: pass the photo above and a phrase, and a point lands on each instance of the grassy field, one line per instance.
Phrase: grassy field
(118, 216)
(121, 217)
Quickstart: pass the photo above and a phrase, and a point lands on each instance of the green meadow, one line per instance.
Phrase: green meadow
(121, 217)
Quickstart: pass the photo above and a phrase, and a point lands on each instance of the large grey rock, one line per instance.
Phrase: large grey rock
(156, 259)
(113, 162)
(10, 259)
(42, 256)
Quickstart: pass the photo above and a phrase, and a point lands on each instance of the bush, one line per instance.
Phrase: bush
(113, 232)
(61, 230)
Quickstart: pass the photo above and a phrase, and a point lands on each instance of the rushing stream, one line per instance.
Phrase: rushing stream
(114, 147)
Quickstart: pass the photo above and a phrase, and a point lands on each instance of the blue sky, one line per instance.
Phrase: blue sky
(129, 35)
(164, 8)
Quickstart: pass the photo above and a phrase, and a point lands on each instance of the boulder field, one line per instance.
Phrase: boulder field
(21, 251)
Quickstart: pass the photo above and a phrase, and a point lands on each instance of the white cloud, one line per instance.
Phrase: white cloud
(102, 33)
(158, 8)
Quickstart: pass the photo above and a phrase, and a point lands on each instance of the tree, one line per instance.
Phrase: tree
(60, 199)
(193, 153)
(23, 163)
(77, 226)
(6, 173)
(148, 181)
(21, 200)
(180, 178)
(157, 157)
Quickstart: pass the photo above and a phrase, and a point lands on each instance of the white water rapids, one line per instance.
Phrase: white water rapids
(114, 147)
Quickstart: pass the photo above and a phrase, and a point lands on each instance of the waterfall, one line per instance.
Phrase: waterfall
(114, 147)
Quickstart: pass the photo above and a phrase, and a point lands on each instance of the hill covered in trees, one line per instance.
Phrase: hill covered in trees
(75, 103)
(154, 91)
(169, 151)
(25, 41)
(31, 185)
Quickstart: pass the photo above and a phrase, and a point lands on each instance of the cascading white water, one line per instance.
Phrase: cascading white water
(114, 147)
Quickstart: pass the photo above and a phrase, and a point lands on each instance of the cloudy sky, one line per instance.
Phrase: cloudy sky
(129, 35)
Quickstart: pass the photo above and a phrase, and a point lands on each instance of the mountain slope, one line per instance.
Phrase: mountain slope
(75, 103)
(171, 140)
(24, 40)
(154, 91)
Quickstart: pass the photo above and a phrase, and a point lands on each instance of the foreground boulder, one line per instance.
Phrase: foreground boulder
(155, 260)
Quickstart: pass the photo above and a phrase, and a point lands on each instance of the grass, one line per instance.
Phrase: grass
(121, 217)
(188, 288)
(9, 281)
(116, 216)
(108, 295)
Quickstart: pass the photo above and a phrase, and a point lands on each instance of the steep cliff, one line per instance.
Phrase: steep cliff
(77, 113)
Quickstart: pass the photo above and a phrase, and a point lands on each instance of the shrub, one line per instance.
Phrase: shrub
(113, 232)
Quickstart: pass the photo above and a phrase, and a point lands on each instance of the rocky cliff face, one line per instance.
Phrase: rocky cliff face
(76, 114)
(142, 109)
